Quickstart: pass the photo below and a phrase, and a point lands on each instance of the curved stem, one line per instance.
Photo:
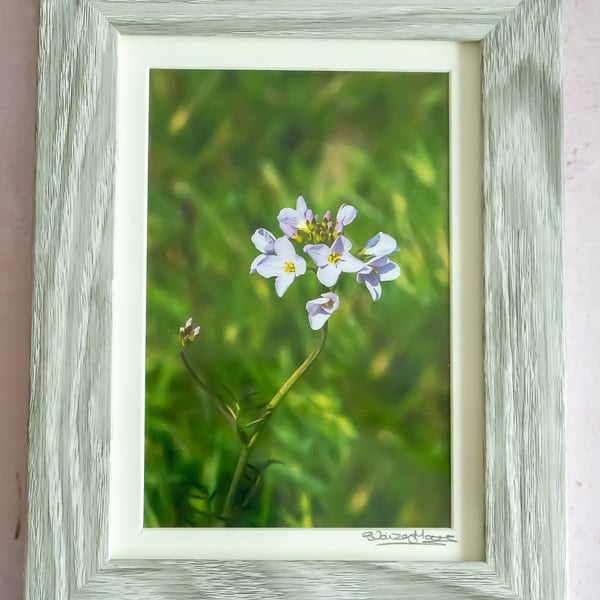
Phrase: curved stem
(203, 385)
(193, 373)
(287, 386)
(270, 409)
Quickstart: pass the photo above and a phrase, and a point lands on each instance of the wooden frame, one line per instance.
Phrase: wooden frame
(70, 412)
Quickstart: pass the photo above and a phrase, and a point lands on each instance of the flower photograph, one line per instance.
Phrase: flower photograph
(297, 300)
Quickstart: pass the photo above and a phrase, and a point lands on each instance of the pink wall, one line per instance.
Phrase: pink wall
(581, 67)
(18, 72)
(18, 48)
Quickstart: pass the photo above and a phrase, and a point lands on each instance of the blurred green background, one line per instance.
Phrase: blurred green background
(364, 437)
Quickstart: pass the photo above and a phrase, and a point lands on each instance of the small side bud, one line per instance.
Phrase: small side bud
(188, 333)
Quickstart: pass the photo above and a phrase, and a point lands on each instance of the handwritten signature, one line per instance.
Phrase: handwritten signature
(409, 538)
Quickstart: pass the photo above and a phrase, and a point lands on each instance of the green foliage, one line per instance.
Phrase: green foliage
(363, 439)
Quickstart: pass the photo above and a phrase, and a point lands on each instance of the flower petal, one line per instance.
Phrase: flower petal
(289, 216)
(381, 245)
(291, 220)
(318, 252)
(341, 245)
(313, 306)
(271, 266)
(317, 320)
(374, 288)
(351, 264)
(345, 215)
(300, 265)
(371, 281)
(301, 206)
(329, 274)
(330, 296)
(389, 271)
(284, 248)
(256, 262)
(377, 263)
(283, 282)
(263, 240)
(287, 229)
(320, 309)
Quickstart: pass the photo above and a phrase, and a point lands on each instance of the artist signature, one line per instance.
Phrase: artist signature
(409, 538)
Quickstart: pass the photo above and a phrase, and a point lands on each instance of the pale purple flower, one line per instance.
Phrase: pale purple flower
(334, 260)
(379, 267)
(291, 220)
(380, 245)
(284, 264)
(376, 271)
(345, 215)
(265, 243)
(320, 309)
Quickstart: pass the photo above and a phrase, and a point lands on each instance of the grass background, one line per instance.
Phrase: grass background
(364, 438)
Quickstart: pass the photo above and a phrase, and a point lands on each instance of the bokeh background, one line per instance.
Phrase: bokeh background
(364, 437)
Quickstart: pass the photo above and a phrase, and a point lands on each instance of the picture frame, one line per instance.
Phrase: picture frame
(70, 420)
(451, 131)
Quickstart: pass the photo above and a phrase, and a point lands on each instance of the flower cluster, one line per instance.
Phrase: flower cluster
(323, 240)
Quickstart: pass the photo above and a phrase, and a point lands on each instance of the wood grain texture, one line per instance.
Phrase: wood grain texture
(70, 368)
(70, 416)
(353, 19)
(271, 580)
(524, 356)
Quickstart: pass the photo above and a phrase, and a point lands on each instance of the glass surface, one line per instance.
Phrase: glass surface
(362, 438)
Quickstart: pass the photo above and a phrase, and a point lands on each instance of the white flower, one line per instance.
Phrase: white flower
(334, 260)
(320, 309)
(291, 220)
(284, 264)
(379, 267)
(265, 243)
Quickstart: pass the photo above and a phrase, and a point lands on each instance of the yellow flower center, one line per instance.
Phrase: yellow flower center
(289, 267)
(334, 258)
(305, 226)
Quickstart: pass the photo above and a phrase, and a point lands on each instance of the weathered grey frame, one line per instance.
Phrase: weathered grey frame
(70, 411)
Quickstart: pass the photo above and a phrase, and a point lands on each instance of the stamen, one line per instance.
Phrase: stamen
(334, 258)
(289, 267)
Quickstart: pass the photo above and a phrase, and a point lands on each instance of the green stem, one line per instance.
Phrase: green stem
(237, 475)
(287, 386)
(203, 385)
(277, 398)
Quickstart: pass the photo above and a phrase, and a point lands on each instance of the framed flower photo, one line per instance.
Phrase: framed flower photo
(286, 259)
(305, 266)
(331, 423)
